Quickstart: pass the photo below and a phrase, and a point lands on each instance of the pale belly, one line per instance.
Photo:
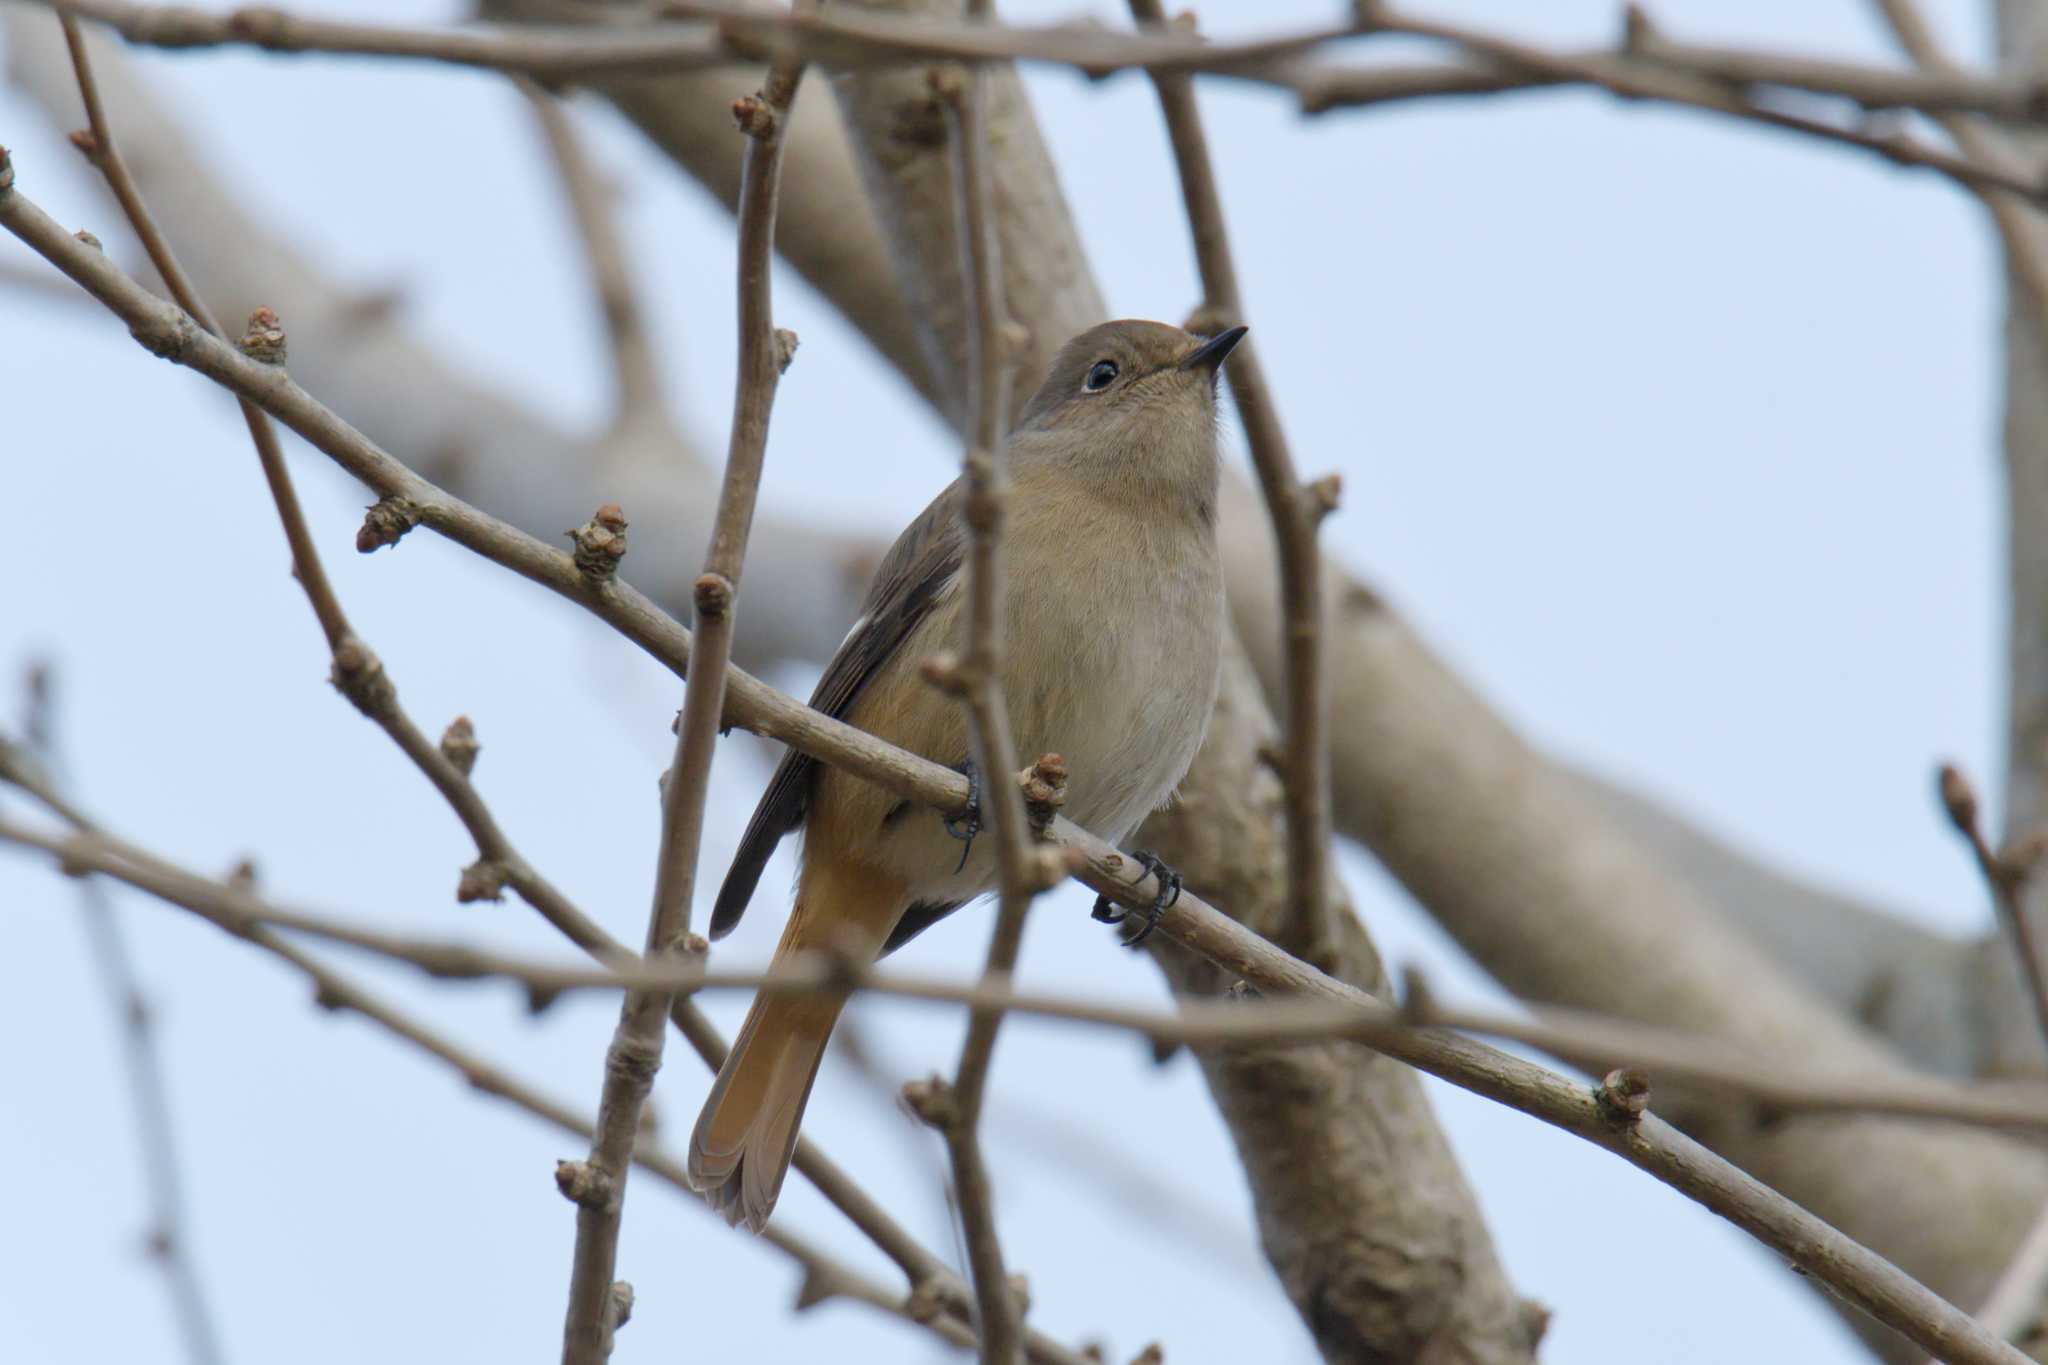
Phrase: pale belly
(1120, 685)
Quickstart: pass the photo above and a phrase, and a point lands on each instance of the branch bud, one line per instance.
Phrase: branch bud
(1958, 798)
(600, 543)
(263, 340)
(459, 746)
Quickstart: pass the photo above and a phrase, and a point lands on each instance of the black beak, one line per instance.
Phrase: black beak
(1209, 355)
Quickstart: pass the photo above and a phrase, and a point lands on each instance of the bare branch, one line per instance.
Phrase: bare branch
(635, 1052)
(979, 679)
(1293, 512)
(1651, 81)
(857, 39)
(97, 143)
(1640, 1137)
(625, 608)
(2005, 876)
(639, 393)
(1859, 1275)
(170, 1247)
(1595, 1043)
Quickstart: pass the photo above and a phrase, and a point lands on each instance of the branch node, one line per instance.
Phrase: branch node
(786, 343)
(1020, 1290)
(2021, 857)
(459, 746)
(85, 237)
(1154, 1354)
(1624, 1095)
(819, 1285)
(385, 523)
(6, 171)
(358, 674)
(1320, 497)
(932, 1101)
(263, 340)
(242, 876)
(1958, 798)
(600, 543)
(619, 1303)
(1418, 1000)
(1637, 32)
(1044, 784)
(482, 880)
(713, 594)
(584, 1185)
(754, 116)
(926, 1302)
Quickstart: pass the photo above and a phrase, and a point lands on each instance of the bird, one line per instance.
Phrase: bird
(1114, 614)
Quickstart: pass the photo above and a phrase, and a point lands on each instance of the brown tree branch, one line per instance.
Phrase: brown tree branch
(2005, 876)
(168, 1241)
(1859, 1275)
(1593, 1043)
(978, 679)
(639, 395)
(1922, 990)
(160, 327)
(635, 1052)
(500, 864)
(1294, 509)
(228, 908)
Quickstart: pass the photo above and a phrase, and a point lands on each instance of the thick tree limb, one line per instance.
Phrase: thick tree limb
(1362, 1209)
(1615, 1121)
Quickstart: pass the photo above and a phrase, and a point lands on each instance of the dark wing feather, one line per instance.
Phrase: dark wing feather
(921, 916)
(918, 565)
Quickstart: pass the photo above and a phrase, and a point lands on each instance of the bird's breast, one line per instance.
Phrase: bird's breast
(1112, 640)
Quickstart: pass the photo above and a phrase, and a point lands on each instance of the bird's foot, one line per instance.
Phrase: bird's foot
(1109, 912)
(967, 824)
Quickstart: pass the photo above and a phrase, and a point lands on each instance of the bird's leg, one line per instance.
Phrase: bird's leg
(1109, 912)
(967, 824)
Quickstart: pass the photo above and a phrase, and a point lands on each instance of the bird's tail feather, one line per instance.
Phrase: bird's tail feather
(745, 1137)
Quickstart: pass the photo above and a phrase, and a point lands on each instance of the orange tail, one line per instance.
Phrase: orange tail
(744, 1139)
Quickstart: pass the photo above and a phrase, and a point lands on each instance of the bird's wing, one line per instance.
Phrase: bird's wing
(912, 575)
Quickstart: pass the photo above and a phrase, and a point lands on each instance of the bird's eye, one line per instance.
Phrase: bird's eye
(1100, 376)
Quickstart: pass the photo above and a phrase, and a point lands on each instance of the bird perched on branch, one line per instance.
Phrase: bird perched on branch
(1113, 604)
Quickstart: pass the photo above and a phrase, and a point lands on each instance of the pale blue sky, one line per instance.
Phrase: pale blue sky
(1677, 437)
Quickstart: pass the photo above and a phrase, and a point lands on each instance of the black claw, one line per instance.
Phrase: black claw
(1109, 912)
(967, 824)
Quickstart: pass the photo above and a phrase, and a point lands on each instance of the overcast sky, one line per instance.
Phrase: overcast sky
(1677, 437)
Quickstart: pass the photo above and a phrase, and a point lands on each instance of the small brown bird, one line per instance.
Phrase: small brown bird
(1114, 613)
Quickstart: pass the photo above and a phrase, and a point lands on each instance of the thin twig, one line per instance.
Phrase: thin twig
(173, 333)
(1650, 81)
(979, 680)
(1294, 508)
(2013, 1307)
(1856, 1273)
(97, 143)
(634, 1055)
(1932, 91)
(237, 910)
(2025, 256)
(1593, 1042)
(638, 391)
(2004, 877)
(849, 38)
(169, 1240)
